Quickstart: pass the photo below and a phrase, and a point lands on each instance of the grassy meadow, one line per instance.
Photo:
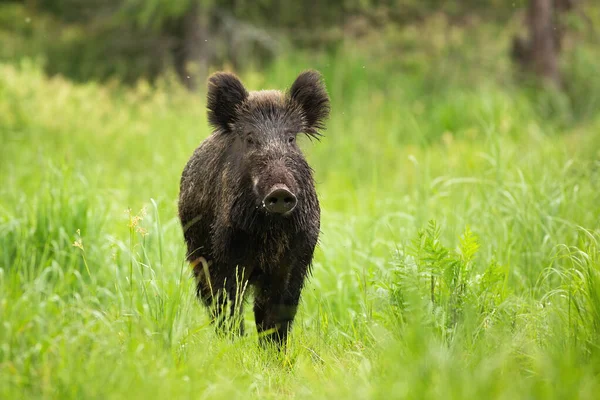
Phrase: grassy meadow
(459, 255)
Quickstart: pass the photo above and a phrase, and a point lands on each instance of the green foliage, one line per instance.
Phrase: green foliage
(576, 268)
(152, 14)
(435, 40)
(432, 277)
(96, 300)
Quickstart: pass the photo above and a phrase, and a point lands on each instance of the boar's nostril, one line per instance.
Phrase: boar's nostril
(280, 201)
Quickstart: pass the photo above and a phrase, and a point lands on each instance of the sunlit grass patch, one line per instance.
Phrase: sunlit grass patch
(497, 298)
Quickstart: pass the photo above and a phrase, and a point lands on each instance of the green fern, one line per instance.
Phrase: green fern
(431, 276)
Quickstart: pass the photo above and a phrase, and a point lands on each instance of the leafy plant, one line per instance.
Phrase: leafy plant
(431, 276)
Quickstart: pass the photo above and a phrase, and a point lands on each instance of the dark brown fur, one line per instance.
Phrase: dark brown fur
(228, 232)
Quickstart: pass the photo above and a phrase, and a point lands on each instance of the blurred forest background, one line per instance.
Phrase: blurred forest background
(132, 39)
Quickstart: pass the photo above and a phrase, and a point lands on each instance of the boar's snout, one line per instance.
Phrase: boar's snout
(280, 200)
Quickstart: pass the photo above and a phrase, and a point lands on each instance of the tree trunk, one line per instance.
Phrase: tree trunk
(539, 52)
(192, 50)
(544, 49)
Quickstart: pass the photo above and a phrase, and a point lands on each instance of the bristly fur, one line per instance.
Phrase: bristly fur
(308, 91)
(225, 94)
(223, 189)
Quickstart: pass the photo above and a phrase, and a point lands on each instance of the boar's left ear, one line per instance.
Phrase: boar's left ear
(308, 91)
(225, 93)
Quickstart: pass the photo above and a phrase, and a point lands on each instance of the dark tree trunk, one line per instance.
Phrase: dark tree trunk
(544, 49)
(539, 52)
(192, 49)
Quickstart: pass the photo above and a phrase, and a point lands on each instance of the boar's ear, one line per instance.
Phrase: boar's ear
(308, 91)
(225, 93)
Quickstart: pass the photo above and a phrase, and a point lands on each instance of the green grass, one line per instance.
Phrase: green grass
(459, 256)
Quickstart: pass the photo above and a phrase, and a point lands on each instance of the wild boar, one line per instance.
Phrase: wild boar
(248, 204)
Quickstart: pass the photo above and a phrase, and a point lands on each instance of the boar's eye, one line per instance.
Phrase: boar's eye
(291, 139)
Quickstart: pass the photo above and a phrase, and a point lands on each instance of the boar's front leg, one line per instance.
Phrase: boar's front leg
(223, 295)
(276, 302)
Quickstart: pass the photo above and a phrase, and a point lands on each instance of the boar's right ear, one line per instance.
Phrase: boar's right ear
(308, 91)
(225, 93)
